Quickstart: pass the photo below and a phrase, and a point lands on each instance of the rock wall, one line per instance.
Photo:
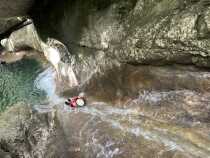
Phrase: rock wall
(12, 15)
(24, 134)
(155, 32)
(9, 8)
(135, 31)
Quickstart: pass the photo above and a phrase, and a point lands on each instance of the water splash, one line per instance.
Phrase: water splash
(67, 75)
(64, 71)
(45, 81)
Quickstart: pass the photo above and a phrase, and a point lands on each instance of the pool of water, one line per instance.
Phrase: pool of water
(17, 83)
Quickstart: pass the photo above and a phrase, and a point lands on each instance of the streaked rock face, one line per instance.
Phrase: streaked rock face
(137, 32)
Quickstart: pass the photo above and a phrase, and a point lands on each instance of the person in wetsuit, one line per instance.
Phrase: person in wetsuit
(77, 101)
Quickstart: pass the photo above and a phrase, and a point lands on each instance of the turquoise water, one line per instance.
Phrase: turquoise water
(17, 83)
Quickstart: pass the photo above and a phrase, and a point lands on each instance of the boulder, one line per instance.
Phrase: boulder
(11, 14)
(25, 133)
(25, 37)
(7, 24)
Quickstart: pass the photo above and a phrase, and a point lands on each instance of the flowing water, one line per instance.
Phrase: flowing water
(154, 124)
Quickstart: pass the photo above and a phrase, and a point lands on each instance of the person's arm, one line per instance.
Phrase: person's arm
(67, 103)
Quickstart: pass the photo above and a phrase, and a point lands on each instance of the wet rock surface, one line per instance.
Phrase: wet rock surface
(166, 89)
(171, 113)
(144, 117)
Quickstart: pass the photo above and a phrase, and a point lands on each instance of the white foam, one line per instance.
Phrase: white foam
(46, 82)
